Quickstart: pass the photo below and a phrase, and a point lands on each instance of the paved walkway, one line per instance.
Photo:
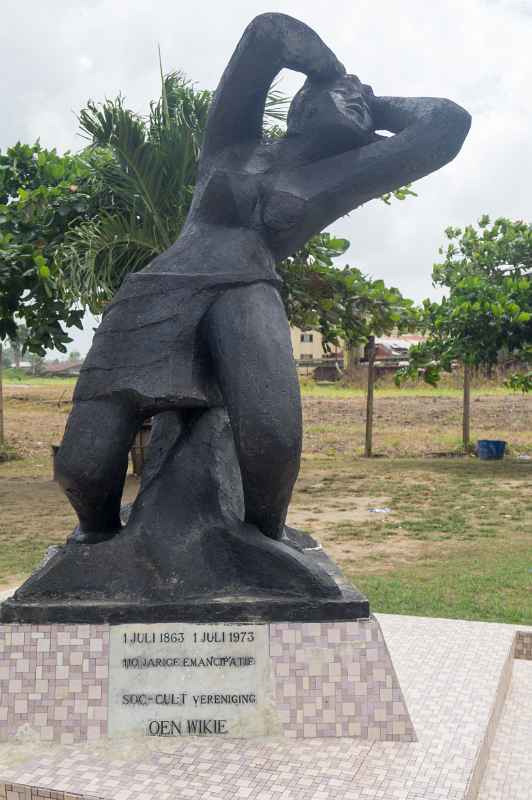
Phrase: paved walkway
(509, 772)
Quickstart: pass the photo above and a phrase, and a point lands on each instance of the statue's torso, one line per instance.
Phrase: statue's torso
(236, 216)
(151, 333)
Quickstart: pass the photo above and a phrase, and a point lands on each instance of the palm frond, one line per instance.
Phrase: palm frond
(101, 252)
(276, 108)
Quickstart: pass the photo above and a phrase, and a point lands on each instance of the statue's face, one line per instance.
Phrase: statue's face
(338, 111)
(351, 105)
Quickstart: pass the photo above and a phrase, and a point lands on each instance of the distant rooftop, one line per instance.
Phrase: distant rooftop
(63, 366)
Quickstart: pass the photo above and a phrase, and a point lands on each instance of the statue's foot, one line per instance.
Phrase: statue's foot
(80, 536)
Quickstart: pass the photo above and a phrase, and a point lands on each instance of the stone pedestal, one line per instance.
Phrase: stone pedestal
(74, 683)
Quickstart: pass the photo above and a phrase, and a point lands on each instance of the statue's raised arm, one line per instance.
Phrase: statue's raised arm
(270, 43)
(338, 120)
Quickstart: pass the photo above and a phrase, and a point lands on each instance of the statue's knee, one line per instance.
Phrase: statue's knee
(67, 469)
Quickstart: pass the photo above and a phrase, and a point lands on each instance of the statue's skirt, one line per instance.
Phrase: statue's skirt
(150, 343)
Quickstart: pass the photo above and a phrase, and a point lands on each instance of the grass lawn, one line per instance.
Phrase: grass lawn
(457, 541)
(14, 377)
(335, 391)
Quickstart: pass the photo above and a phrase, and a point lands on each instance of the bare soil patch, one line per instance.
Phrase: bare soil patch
(414, 426)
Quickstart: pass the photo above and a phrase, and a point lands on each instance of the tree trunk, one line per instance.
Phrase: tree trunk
(352, 354)
(1, 399)
(466, 418)
(369, 398)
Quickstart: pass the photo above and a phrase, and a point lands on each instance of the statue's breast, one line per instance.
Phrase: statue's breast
(229, 198)
(282, 211)
(242, 200)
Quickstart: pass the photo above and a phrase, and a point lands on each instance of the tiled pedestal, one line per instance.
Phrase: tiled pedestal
(331, 679)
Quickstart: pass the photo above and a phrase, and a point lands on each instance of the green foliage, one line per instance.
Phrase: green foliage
(399, 194)
(144, 173)
(14, 374)
(41, 194)
(488, 306)
(520, 382)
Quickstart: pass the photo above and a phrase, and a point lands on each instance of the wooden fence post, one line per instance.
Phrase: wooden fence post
(466, 411)
(370, 396)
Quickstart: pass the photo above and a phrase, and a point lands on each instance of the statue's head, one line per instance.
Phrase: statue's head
(339, 111)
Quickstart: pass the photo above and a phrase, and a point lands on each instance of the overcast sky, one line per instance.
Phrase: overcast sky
(54, 56)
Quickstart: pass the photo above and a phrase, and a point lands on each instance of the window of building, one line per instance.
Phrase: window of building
(306, 337)
(306, 357)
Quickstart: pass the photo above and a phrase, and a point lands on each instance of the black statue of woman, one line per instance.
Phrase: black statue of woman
(203, 325)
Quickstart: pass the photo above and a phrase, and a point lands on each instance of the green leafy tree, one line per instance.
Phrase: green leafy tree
(41, 194)
(487, 309)
(145, 179)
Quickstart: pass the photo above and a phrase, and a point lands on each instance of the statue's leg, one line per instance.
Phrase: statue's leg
(249, 340)
(91, 464)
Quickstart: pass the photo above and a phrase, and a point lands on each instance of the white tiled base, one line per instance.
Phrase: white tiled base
(453, 673)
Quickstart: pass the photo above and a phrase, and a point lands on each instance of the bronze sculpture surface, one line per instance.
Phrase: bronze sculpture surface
(200, 340)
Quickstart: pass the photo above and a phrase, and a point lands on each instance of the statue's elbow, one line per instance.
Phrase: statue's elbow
(267, 23)
(458, 123)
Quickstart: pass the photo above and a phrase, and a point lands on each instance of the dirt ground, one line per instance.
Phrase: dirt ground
(436, 512)
(404, 425)
(415, 426)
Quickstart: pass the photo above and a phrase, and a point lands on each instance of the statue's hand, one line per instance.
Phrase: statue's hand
(379, 110)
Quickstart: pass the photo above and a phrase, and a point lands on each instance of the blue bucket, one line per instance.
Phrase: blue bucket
(490, 449)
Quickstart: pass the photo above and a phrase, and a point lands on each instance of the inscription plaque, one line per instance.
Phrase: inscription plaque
(190, 680)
